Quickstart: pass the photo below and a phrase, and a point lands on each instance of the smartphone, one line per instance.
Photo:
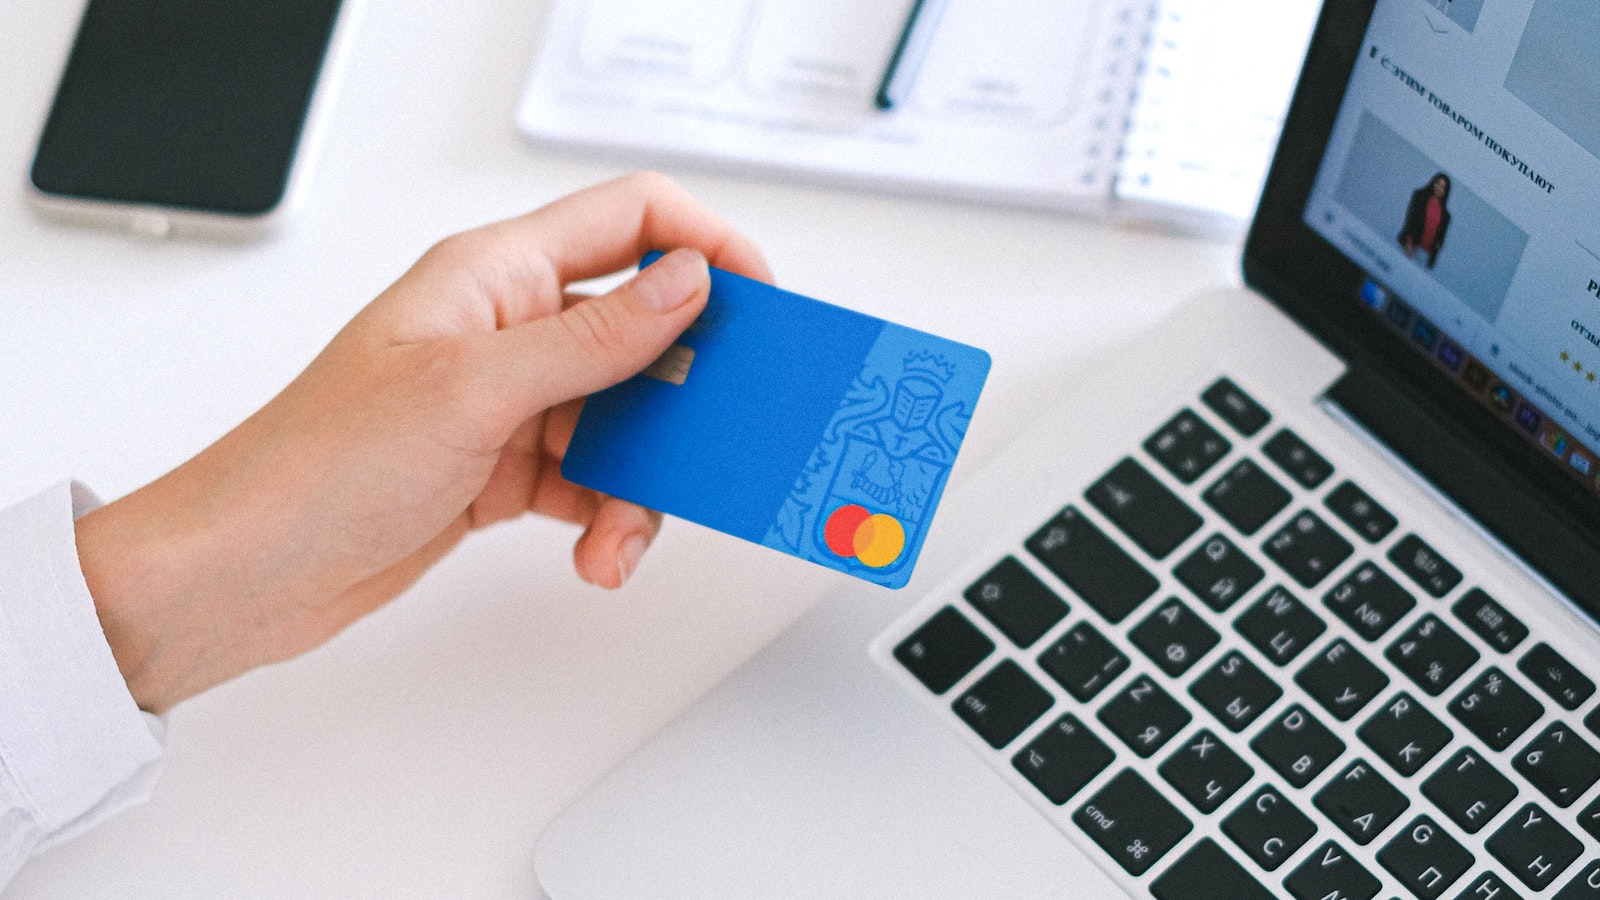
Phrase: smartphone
(195, 116)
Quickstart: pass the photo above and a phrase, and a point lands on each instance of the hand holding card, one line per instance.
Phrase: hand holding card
(793, 423)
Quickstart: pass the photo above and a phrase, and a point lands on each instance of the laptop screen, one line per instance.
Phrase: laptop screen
(1447, 152)
(1463, 175)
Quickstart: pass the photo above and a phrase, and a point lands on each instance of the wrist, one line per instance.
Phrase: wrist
(157, 564)
(128, 566)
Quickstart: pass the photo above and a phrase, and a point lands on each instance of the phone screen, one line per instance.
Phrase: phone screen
(195, 104)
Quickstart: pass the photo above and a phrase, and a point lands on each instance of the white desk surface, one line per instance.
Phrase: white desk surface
(420, 753)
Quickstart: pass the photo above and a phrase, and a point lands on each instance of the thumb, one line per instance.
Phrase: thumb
(602, 340)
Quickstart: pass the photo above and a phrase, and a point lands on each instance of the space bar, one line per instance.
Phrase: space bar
(1090, 563)
(1206, 872)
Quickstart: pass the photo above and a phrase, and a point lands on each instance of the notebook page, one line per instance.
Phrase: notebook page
(1208, 106)
(1024, 107)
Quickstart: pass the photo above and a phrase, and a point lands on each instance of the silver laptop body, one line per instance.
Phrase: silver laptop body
(1295, 598)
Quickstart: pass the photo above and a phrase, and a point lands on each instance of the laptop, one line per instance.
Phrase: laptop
(1309, 612)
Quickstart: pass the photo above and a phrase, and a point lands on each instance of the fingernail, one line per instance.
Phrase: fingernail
(670, 281)
(629, 554)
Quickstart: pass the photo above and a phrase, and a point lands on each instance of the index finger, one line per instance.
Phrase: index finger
(608, 227)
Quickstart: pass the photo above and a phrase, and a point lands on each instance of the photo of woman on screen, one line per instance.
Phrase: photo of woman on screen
(1427, 218)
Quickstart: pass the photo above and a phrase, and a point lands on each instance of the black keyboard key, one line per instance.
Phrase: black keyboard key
(1425, 858)
(1533, 847)
(1207, 872)
(1296, 457)
(1143, 508)
(1423, 564)
(1090, 563)
(1469, 790)
(1205, 771)
(1174, 637)
(1144, 716)
(1307, 548)
(943, 650)
(1330, 872)
(1268, 827)
(1589, 819)
(1297, 746)
(1369, 601)
(1237, 408)
(1132, 822)
(1361, 802)
(1062, 759)
(1404, 735)
(1551, 673)
(1341, 679)
(1583, 886)
(1016, 602)
(1362, 513)
(1280, 626)
(1235, 691)
(1490, 621)
(1002, 703)
(1187, 446)
(1218, 572)
(1496, 709)
(1083, 661)
(1488, 886)
(1431, 654)
(1246, 496)
(1560, 764)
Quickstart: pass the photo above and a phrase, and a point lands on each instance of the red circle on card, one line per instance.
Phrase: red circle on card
(840, 531)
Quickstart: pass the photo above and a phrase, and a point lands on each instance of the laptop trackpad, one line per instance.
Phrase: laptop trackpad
(809, 773)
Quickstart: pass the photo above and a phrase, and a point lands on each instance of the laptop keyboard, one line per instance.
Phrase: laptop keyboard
(1241, 676)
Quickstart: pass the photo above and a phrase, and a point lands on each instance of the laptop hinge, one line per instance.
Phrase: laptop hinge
(1517, 509)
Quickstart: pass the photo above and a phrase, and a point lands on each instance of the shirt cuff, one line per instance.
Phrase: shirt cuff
(74, 746)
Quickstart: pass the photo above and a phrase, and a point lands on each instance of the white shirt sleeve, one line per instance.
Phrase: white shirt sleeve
(74, 747)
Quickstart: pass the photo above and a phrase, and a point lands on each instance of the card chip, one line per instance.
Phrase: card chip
(673, 365)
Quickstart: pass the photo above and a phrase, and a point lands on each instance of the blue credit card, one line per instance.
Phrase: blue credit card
(793, 423)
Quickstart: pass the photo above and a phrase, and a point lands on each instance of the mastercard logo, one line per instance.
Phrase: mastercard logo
(854, 532)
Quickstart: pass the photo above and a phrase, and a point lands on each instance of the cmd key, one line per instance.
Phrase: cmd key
(1132, 821)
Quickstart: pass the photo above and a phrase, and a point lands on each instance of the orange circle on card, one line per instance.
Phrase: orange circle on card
(879, 540)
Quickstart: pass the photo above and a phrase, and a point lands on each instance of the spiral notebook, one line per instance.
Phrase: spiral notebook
(1029, 104)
